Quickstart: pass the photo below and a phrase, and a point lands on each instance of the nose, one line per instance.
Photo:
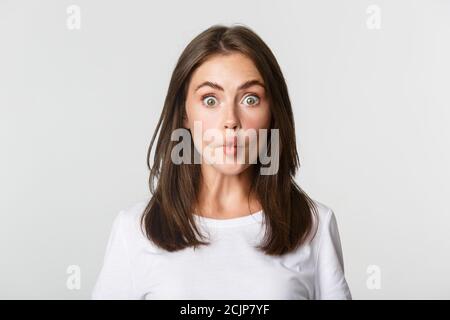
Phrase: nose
(231, 124)
(231, 118)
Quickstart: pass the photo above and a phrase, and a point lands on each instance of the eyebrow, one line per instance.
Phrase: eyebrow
(243, 86)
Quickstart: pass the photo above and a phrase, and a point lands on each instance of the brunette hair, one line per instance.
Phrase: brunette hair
(288, 211)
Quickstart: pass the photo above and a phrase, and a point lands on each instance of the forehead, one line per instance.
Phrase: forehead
(226, 69)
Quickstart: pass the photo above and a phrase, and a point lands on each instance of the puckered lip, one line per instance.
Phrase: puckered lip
(229, 142)
(232, 142)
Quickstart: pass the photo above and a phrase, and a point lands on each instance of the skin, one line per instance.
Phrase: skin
(224, 186)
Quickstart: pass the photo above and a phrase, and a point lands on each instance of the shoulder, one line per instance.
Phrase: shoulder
(324, 213)
(133, 212)
(128, 221)
(330, 282)
(324, 220)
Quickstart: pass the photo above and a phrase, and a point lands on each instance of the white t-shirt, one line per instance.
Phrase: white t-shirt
(229, 268)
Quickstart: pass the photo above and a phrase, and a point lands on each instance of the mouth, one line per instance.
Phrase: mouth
(231, 146)
(231, 142)
(230, 149)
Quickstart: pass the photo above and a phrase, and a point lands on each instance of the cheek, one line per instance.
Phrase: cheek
(197, 113)
(257, 118)
(200, 121)
(205, 119)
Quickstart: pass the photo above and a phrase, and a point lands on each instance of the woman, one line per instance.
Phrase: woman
(216, 227)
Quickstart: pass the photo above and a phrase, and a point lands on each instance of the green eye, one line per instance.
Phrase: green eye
(210, 101)
(251, 100)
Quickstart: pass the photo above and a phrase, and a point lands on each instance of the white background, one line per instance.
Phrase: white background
(78, 107)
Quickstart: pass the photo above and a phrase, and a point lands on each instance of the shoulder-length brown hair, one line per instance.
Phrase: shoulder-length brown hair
(288, 211)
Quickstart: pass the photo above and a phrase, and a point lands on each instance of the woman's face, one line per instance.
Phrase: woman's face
(226, 105)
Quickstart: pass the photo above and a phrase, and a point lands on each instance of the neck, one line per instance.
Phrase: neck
(225, 196)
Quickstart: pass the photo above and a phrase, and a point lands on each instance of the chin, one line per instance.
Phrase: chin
(230, 169)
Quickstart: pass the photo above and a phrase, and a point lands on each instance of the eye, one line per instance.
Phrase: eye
(251, 100)
(210, 101)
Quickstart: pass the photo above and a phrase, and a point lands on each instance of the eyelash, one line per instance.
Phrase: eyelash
(249, 95)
